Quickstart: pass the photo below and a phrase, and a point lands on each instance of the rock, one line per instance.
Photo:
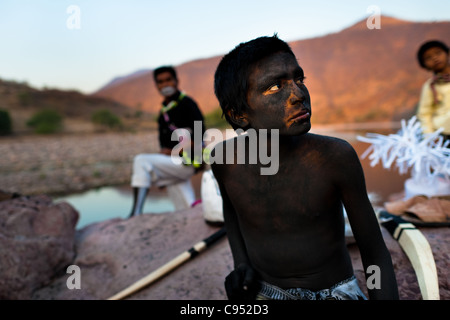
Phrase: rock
(439, 240)
(113, 254)
(8, 195)
(36, 242)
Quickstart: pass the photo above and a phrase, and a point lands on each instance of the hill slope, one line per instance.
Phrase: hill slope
(22, 101)
(355, 75)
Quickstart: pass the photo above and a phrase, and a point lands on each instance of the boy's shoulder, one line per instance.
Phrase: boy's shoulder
(218, 151)
(312, 139)
(427, 82)
(328, 141)
(333, 147)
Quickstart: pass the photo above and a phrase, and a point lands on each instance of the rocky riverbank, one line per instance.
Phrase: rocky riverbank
(39, 243)
(38, 239)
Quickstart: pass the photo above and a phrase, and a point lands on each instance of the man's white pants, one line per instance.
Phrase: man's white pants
(160, 170)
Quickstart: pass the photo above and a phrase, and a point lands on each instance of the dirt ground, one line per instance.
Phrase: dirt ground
(70, 163)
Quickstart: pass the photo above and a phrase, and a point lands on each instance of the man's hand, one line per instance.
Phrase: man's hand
(242, 283)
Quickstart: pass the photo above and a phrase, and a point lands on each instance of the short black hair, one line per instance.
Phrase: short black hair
(428, 45)
(163, 69)
(233, 71)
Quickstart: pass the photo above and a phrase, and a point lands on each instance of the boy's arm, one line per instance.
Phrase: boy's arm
(425, 109)
(235, 239)
(365, 227)
(224, 176)
(242, 282)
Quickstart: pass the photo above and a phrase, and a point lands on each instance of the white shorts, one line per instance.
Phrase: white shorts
(158, 169)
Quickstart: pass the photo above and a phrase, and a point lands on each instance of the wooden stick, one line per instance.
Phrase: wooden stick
(418, 250)
(171, 265)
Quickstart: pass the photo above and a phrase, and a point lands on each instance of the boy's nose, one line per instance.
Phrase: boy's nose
(297, 94)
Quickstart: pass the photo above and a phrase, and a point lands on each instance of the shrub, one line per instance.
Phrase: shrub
(24, 98)
(106, 118)
(45, 121)
(5, 123)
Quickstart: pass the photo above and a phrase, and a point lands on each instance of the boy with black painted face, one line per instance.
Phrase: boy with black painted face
(286, 230)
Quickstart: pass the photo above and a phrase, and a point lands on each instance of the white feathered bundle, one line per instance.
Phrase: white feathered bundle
(427, 154)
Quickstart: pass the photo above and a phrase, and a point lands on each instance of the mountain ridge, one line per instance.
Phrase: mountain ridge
(354, 75)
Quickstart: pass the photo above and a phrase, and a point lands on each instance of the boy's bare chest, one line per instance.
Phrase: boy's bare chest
(308, 169)
(295, 183)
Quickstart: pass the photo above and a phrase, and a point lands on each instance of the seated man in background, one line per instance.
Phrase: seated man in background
(178, 111)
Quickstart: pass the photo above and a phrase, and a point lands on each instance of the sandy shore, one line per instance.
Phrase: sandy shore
(70, 163)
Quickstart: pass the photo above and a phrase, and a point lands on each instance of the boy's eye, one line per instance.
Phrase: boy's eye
(275, 87)
(300, 81)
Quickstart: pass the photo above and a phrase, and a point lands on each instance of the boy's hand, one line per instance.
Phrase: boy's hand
(242, 283)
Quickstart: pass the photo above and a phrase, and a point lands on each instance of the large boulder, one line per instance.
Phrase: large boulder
(36, 243)
(115, 253)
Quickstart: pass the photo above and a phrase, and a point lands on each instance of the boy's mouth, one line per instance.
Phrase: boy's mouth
(301, 115)
(439, 64)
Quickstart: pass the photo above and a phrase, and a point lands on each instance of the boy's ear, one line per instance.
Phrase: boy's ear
(240, 120)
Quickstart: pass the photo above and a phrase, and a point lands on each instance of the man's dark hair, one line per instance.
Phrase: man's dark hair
(233, 71)
(163, 69)
(428, 45)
